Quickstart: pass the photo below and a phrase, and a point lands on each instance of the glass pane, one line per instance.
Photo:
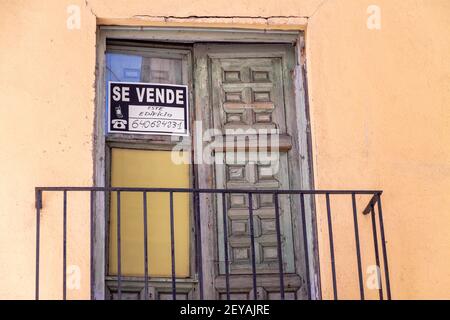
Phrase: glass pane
(139, 68)
(149, 169)
(123, 67)
(162, 70)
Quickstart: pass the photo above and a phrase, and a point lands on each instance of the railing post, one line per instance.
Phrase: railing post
(38, 200)
(305, 244)
(172, 247)
(377, 255)
(331, 240)
(252, 241)
(92, 210)
(225, 244)
(358, 249)
(64, 244)
(144, 199)
(383, 246)
(198, 234)
(119, 257)
(279, 249)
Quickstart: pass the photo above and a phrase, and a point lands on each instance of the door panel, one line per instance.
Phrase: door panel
(247, 91)
(250, 175)
(242, 89)
(247, 94)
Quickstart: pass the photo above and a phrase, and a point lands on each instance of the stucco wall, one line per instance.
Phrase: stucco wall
(379, 109)
(380, 112)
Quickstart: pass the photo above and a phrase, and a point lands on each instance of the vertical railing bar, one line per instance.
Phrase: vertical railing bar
(383, 246)
(199, 243)
(377, 256)
(196, 239)
(64, 244)
(279, 250)
(107, 216)
(144, 199)
(252, 240)
(119, 257)
(172, 248)
(305, 244)
(91, 211)
(331, 240)
(358, 249)
(38, 239)
(225, 244)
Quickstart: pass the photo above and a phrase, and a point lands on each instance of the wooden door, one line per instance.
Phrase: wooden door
(240, 88)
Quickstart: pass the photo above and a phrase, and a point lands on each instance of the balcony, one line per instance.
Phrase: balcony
(254, 278)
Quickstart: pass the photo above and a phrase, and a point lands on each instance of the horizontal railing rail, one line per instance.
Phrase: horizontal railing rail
(191, 190)
(374, 208)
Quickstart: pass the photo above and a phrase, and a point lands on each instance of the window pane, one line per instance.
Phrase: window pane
(162, 70)
(123, 67)
(149, 169)
(139, 68)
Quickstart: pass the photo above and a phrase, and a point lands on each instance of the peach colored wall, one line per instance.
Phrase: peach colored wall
(381, 119)
(379, 109)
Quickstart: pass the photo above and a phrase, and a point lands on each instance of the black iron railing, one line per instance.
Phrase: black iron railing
(374, 208)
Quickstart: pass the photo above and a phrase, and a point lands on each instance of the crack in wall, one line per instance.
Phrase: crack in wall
(86, 3)
(317, 9)
(219, 17)
(168, 18)
(236, 19)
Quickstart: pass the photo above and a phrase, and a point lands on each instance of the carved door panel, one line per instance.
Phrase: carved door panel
(246, 98)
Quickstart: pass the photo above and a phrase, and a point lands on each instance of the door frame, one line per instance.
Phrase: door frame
(190, 36)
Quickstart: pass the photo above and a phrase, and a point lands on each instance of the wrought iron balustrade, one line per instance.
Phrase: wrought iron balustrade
(374, 208)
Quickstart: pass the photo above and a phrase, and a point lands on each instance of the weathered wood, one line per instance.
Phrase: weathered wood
(195, 35)
(299, 178)
(300, 84)
(159, 288)
(99, 172)
(205, 173)
(262, 69)
(270, 282)
(251, 144)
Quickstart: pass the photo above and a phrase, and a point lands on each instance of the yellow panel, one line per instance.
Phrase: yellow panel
(153, 169)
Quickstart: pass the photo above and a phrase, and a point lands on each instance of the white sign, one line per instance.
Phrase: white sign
(148, 108)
